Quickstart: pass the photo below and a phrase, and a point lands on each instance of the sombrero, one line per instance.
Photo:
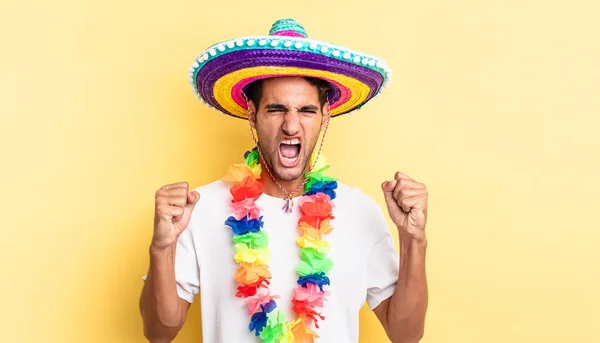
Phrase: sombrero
(220, 74)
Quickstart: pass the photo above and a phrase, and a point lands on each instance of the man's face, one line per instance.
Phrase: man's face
(288, 122)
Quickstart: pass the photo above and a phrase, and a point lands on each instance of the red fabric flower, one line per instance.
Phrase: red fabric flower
(315, 209)
(249, 290)
(315, 214)
(304, 311)
(248, 188)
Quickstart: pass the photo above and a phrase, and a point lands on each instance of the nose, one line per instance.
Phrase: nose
(291, 122)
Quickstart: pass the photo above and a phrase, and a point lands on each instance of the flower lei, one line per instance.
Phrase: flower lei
(253, 255)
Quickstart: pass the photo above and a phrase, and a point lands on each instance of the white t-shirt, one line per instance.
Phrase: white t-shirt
(365, 263)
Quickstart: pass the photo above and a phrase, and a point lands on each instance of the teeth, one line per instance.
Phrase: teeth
(291, 141)
(289, 160)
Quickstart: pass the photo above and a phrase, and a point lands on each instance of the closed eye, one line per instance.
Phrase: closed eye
(309, 109)
(276, 108)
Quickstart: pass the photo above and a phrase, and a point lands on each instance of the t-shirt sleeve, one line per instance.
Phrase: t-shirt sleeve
(187, 271)
(382, 263)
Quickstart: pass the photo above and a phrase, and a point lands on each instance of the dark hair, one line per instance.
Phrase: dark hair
(254, 90)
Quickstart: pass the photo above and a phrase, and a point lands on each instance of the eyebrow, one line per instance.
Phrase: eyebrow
(305, 108)
(308, 108)
(276, 107)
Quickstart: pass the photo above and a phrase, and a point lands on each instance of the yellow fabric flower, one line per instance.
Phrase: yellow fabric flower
(307, 241)
(245, 254)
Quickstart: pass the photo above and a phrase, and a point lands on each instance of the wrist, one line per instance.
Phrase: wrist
(410, 241)
(161, 250)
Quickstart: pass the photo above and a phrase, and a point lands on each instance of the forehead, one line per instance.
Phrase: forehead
(289, 90)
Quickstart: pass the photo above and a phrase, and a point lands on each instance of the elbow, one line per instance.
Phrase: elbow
(406, 331)
(414, 336)
(160, 331)
(162, 335)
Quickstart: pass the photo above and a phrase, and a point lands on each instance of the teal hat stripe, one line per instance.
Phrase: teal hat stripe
(287, 25)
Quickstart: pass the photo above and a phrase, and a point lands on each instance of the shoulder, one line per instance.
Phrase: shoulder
(214, 189)
(361, 207)
(359, 213)
(212, 209)
(355, 198)
(213, 196)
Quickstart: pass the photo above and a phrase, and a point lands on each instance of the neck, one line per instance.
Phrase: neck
(272, 189)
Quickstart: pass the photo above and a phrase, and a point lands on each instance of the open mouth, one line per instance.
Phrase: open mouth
(289, 152)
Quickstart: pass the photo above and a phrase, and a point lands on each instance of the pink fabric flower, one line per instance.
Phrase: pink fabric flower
(311, 295)
(260, 298)
(246, 207)
(318, 198)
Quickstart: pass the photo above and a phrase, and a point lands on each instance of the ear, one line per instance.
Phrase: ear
(252, 114)
(325, 116)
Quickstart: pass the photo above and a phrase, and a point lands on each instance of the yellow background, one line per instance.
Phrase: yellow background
(494, 106)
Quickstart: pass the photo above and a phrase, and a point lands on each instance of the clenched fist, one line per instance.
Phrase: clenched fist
(172, 212)
(406, 201)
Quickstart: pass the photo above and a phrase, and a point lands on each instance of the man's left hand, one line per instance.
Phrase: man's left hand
(407, 205)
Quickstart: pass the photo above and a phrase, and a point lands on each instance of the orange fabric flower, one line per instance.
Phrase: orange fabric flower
(302, 333)
(248, 274)
(238, 172)
(324, 229)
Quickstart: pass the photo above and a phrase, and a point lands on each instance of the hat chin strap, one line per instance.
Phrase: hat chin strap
(289, 203)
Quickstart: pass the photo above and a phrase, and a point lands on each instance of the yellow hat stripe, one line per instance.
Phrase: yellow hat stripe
(222, 89)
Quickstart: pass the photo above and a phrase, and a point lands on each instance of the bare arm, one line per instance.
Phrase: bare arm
(403, 314)
(163, 311)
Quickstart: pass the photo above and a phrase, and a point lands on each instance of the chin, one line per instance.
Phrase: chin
(290, 174)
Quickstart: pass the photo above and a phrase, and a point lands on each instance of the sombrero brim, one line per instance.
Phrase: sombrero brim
(220, 74)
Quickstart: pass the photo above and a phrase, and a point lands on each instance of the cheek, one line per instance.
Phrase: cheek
(266, 134)
(312, 127)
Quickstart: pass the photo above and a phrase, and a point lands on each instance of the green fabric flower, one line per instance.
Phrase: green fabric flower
(317, 176)
(277, 327)
(313, 262)
(256, 240)
(252, 158)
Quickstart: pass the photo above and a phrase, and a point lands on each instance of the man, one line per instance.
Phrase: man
(278, 251)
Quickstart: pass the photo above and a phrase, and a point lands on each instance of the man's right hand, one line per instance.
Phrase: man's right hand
(172, 213)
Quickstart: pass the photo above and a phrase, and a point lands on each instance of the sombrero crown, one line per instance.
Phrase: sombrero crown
(221, 73)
